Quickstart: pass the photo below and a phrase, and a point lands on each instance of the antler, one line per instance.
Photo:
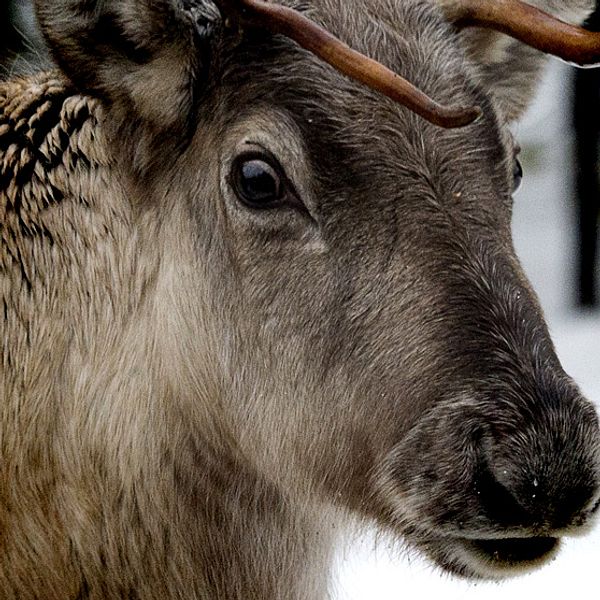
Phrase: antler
(531, 26)
(312, 37)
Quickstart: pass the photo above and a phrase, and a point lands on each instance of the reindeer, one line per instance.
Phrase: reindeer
(255, 283)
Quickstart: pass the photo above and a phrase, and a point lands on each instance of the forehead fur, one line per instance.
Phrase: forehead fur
(351, 132)
(410, 37)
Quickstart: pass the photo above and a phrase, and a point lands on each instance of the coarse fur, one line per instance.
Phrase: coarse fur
(195, 393)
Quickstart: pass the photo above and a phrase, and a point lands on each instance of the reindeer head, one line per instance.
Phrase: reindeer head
(338, 302)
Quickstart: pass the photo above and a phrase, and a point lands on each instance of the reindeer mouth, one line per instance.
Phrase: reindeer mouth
(515, 551)
(493, 558)
(501, 557)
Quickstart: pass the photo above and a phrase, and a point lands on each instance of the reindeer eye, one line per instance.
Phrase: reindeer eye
(517, 175)
(257, 183)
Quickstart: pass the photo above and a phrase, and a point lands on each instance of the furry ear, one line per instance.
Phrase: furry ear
(510, 69)
(142, 56)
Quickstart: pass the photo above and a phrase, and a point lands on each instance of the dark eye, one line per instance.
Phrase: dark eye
(257, 183)
(517, 175)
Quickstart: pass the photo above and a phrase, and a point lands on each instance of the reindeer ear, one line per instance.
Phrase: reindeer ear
(511, 68)
(143, 56)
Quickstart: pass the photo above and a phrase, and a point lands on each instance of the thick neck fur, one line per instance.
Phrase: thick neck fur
(106, 490)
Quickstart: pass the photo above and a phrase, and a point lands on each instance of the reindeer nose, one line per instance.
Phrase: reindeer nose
(536, 501)
(542, 481)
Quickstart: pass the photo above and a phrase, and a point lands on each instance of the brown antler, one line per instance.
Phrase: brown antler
(309, 35)
(531, 26)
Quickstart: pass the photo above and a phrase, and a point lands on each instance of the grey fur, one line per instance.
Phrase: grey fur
(195, 395)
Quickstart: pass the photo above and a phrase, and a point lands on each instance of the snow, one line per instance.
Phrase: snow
(544, 238)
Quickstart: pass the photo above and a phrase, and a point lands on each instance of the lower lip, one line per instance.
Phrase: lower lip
(514, 552)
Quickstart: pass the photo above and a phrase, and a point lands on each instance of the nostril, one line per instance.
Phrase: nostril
(498, 503)
(544, 475)
(560, 499)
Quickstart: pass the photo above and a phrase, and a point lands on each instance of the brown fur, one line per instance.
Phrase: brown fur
(195, 395)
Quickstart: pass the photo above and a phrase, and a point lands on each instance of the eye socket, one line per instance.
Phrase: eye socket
(517, 175)
(257, 181)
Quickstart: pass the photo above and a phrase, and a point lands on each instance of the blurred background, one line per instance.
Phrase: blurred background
(555, 226)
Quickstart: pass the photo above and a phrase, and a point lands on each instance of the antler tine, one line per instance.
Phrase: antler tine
(531, 26)
(312, 37)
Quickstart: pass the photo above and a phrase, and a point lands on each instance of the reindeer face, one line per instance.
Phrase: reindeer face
(372, 337)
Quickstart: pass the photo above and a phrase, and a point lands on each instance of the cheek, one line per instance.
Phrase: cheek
(289, 293)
